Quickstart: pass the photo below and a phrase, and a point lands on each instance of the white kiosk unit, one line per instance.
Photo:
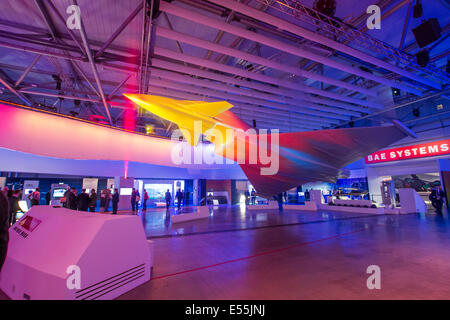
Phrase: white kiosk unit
(57, 193)
(57, 253)
(411, 201)
(125, 187)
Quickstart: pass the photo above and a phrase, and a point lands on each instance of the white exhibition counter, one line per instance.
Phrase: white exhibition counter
(201, 212)
(57, 253)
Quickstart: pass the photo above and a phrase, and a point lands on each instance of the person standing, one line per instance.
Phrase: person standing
(71, 200)
(48, 197)
(4, 226)
(247, 197)
(253, 197)
(115, 201)
(107, 199)
(133, 200)
(35, 197)
(64, 199)
(279, 198)
(437, 199)
(14, 206)
(144, 203)
(5, 191)
(168, 198)
(179, 196)
(92, 201)
(83, 201)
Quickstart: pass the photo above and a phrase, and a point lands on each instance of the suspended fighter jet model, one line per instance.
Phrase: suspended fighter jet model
(300, 157)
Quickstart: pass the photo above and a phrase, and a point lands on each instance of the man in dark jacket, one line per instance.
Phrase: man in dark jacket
(14, 206)
(48, 197)
(115, 201)
(83, 201)
(92, 201)
(4, 226)
(437, 199)
(179, 196)
(168, 198)
(71, 199)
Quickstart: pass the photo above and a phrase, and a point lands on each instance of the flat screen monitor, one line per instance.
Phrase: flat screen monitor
(126, 191)
(23, 205)
(58, 193)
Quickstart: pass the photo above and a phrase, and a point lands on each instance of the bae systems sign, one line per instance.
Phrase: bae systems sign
(437, 148)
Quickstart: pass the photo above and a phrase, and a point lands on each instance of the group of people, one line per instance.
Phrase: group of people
(83, 201)
(181, 196)
(250, 197)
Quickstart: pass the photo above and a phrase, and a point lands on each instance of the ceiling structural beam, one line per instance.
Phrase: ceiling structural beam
(119, 30)
(147, 26)
(312, 36)
(292, 49)
(120, 85)
(86, 78)
(169, 24)
(301, 107)
(252, 101)
(405, 26)
(93, 66)
(173, 35)
(239, 108)
(398, 106)
(14, 91)
(65, 96)
(285, 126)
(263, 78)
(27, 70)
(274, 91)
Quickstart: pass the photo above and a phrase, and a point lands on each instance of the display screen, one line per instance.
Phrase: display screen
(126, 191)
(157, 191)
(23, 206)
(58, 193)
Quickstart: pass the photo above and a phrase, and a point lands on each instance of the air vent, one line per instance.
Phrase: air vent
(106, 286)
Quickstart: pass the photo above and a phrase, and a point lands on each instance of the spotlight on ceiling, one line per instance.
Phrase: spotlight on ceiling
(395, 92)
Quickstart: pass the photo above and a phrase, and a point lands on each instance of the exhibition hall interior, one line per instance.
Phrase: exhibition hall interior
(224, 150)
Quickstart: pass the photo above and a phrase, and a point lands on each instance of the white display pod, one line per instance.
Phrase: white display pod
(270, 205)
(308, 206)
(361, 203)
(380, 210)
(111, 252)
(411, 201)
(201, 213)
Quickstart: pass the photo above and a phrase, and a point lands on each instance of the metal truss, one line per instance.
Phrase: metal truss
(341, 32)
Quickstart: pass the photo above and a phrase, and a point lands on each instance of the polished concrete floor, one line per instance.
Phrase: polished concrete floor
(296, 255)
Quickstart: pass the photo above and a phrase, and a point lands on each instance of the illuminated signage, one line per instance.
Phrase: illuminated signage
(437, 148)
